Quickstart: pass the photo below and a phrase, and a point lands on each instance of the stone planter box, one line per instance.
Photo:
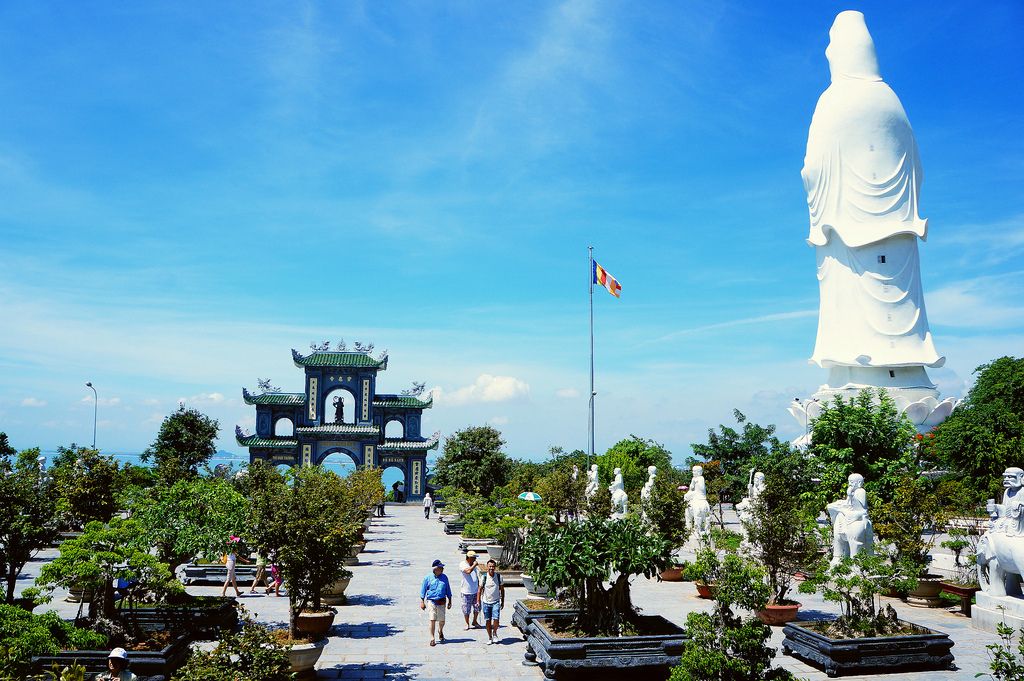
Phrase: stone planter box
(142, 662)
(532, 588)
(454, 527)
(673, 574)
(928, 650)
(511, 577)
(478, 545)
(77, 594)
(966, 593)
(217, 573)
(649, 656)
(926, 595)
(304, 656)
(495, 551)
(335, 594)
(522, 615)
(205, 619)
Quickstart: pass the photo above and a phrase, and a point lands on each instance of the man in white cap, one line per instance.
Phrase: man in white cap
(117, 667)
(470, 587)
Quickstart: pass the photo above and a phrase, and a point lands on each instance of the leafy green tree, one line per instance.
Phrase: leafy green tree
(85, 484)
(633, 455)
(24, 635)
(185, 441)
(102, 554)
(590, 562)
(562, 494)
(473, 461)
(193, 517)
(5, 446)
(865, 435)
(737, 452)
(665, 509)
(722, 645)
(985, 433)
(252, 654)
(28, 516)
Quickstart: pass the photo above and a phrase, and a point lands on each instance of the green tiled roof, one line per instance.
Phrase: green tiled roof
(264, 442)
(339, 359)
(401, 402)
(337, 429)
(288, 399)
(407, 445)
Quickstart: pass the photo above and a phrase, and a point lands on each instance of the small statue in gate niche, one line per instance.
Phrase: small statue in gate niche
(339, 410)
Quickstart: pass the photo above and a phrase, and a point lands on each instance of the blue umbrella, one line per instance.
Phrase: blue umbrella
(529, 496)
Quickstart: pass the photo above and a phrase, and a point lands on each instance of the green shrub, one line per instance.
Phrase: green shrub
(24, 635)
(252, 654)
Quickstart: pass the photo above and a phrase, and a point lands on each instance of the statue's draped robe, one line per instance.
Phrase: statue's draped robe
(862, 174)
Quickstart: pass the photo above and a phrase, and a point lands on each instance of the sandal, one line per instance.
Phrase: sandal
(432, 644)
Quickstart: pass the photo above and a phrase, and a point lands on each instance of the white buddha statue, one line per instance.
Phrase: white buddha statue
(862, 174)
(592, 482)
(645, 492)
(754, 488)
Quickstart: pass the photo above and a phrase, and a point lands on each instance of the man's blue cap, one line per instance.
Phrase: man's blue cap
(437, 563)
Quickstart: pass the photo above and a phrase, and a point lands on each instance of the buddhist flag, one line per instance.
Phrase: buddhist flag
(602, 278)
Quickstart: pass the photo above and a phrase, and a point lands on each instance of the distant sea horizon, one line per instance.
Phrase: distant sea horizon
(234, 460)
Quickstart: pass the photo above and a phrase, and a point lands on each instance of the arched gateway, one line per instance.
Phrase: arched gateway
(320, 430)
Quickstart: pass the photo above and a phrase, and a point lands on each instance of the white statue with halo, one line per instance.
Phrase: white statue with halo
(698, 510)
(620, 499)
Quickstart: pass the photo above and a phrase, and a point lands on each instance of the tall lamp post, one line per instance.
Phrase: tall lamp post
(95, 411)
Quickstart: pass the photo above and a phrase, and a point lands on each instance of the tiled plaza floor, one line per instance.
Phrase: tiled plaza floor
(382, 633)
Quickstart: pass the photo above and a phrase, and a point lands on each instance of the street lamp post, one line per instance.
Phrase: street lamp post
(95, 411)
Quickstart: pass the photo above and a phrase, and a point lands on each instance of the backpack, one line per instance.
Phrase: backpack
(483, 580)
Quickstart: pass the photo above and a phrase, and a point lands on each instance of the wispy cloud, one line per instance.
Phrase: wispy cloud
(987, 244)
(988, 302)
(486, 388)
(33, 402)
(745, 321)
(567, 393)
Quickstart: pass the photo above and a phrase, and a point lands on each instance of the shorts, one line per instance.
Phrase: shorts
(435, 610)
(492, 611)
(469, 604)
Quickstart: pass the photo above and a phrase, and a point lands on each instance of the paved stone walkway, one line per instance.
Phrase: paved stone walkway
(382, 634)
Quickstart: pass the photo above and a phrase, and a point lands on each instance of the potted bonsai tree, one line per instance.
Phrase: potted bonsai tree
(665, 511)
(782, 537)
(909, 523)
(589, 563)
(865, 638)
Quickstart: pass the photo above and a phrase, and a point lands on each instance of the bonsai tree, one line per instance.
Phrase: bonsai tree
(782, 534)
(28, 516)
(103, 554)
(85, 484)
(24, 635)
(192, 518)
(665, 509)
(589, 564)
(633, 455)
(909, 522)
(186, 440)
(562, 494)
(251, 654)
(722, 645)
(855, 584)
(473, 461)
(508, 522)
(304, 524)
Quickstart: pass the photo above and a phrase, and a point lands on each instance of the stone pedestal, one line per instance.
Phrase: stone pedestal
(988, 611)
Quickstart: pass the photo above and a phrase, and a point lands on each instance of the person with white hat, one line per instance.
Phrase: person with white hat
(117, 667)
(470, 587)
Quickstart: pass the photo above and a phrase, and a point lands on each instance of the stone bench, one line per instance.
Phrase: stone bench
(197, 574)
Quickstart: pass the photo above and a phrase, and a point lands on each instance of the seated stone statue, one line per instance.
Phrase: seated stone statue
(1001, 549)
(746, 506)
(852, 531)
(619, 497)
(698, 510)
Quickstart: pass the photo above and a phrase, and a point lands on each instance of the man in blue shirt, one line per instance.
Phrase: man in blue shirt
(433, 594)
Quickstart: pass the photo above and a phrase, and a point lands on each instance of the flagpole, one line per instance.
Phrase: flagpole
(590, 278)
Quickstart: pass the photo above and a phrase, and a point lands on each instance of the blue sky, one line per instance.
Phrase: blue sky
(186, 194)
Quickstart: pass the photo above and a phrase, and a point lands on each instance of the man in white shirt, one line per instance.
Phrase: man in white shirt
(470, 587)
(428, 503)
(492, 599)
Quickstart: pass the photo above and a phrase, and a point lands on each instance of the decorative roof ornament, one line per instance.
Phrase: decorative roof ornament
(416, 390)
(342, 347)
(265, 386)
(320, 347)
(383, 355)
(239, 432)
(368, 348)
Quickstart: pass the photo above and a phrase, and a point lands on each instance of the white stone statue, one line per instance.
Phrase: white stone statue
(745, 508)
(862, 174)
(698, 510)
(645, 492)
(619, 497)
(1001, 550)
(852, 531)
(592, 482)
(575, 472)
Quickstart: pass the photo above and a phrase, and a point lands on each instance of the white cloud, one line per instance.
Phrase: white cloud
(204, 398)
(486, 388)
(103, 401)
(567, 393)
(32, 402)
(989, 302)
(151, 402)
(760, 319)
(498, 421)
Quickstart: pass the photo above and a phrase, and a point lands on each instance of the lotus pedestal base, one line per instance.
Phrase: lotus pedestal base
(988, 611)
